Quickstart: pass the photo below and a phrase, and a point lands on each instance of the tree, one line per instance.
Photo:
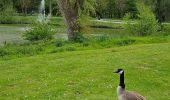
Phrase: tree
(100, 8)
(89, 7)
(71, 10)
(25, 4)
(161, 9)
(50, 7)
(6, 11)
(146, 23)
(111, 8)
(55, 9)
(120, 8)
(132, 8)
(49, 4)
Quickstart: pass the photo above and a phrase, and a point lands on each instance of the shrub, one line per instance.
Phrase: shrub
(3, 52)
(39, 31)
(57, 50)
(166, 27)
(6, 14)
(125, 42)
(79, 38)
(146, 23)
(103, 38)
(85, 44)
(70, 48)
(59, 43)
(28, 50)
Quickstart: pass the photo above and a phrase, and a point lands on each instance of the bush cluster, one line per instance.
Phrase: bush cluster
(6, 15)
(146, 23)
(39, 31)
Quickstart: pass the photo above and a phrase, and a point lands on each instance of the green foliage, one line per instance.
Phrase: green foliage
(84, 22)
(6, 14)
(92, 43)
(166, 27)
(29, 50)
(146, 23)
(79, 38)
(111, 8)
(161, 9)
(70, 48)
(89, 7)
(24, 19)
(59, 44)
(101, 6)
(120, 8)
(3, 52)
(103, 38)
(20, 50)
(132, 8)
(125, 42)
(39, 31)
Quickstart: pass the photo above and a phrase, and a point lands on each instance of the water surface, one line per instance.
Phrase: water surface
(11, 33)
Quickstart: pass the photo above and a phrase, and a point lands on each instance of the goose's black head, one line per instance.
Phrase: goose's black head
(119, 71)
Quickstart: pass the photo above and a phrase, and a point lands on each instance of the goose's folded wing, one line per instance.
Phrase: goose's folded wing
(134, 96)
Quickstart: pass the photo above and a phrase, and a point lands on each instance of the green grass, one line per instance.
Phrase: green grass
(87, 74)
(30, 19)
(11, 51)
(65, 70)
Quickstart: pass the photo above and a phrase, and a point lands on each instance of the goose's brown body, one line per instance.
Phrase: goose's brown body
(121, 91)
(127, 95)
(134, 96)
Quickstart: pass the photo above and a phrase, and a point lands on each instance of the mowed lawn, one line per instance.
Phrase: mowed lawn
(88, 74)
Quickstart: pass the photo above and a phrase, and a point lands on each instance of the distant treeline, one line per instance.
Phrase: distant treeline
(29, 7)
(96, 8)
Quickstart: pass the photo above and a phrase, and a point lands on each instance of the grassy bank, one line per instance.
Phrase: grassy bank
(31, 19)
(10, 51)
(97, 36)
(88, 74)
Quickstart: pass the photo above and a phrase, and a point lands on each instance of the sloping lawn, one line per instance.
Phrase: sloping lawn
(88, 74)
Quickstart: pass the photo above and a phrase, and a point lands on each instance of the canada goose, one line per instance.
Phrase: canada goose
(122, 93)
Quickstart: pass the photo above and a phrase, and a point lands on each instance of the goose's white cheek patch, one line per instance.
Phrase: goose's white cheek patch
(121, 72)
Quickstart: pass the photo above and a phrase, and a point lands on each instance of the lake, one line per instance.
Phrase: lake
(11, 33)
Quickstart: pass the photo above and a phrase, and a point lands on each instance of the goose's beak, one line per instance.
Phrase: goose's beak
(115, 71)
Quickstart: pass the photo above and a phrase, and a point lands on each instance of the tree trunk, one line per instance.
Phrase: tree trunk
(25, 12)
(22, 6)
(50, 8)
(22, 10)
(70, 15)
(158, 11)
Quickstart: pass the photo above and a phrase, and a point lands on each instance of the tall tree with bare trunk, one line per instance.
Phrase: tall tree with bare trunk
(70, 10)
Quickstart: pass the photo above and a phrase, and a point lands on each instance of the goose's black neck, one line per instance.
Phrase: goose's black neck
(122, 84)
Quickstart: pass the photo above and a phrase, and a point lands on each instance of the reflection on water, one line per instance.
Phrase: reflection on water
(11, 33)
